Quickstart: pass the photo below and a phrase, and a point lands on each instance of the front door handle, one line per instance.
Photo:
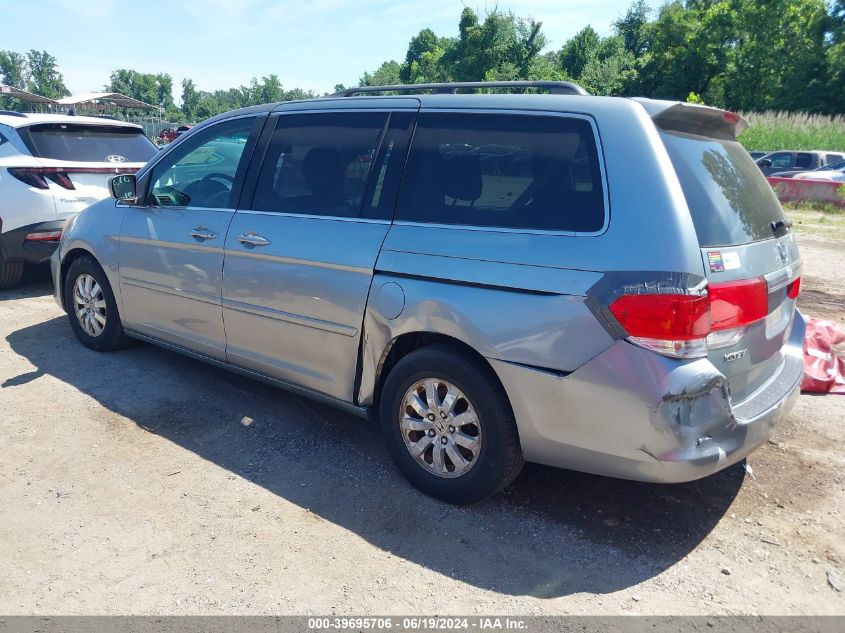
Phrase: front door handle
(250, 238)
(202, 233)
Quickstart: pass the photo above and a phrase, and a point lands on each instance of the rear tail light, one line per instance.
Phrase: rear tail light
(670, 324)
(687, 325)
(46, 236)
(738, 303)
(794, 288)
(61, 179)
(38, 176)
(31, 177)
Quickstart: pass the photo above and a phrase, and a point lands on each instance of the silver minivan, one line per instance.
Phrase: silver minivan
(595, 283)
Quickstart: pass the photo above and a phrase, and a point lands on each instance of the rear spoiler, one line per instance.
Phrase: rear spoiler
(694, 118)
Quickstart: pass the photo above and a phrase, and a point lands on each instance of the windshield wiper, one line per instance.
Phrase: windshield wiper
(780, 225)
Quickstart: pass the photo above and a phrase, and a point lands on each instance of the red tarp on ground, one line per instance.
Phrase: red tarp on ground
(824, 357)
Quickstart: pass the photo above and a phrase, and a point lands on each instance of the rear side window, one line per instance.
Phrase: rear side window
(803, 161)
(781, 161)
(320, 164)
(88, 143)
(497, 170)
(730, 200)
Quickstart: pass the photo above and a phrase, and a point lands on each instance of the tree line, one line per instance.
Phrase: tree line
(744, 55)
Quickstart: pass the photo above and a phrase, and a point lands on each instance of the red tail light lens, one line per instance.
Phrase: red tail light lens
(46, 236)
(665, 317)
(679, 325)
(737, 303)
(794, 288)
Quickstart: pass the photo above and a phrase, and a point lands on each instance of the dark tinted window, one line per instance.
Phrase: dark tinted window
(803, 161)
(782, 160)
(320, 164)
(88, 143)
(730, 200)
(202, 171)
(525, 172)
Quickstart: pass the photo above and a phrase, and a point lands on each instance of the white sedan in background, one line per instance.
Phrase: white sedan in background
(835, 172)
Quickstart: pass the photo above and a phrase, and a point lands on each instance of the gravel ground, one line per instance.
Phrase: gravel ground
(143, 482)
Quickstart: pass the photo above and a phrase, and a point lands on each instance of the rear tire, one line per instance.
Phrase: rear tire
(10, 274)
(449, 426)
(91, 307)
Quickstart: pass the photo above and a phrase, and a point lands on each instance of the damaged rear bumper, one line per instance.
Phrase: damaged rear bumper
(633, 414)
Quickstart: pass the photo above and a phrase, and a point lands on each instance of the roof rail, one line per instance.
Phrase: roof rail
(11, 113)
(554, 87)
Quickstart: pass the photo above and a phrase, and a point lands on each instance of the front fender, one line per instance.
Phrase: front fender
(95, 230)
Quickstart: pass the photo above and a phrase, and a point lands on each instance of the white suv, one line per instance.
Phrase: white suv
(51, 167)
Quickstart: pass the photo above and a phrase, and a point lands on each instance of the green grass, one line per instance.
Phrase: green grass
(771, 131)
(825, 223)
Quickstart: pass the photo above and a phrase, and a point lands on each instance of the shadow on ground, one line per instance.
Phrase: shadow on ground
(552, 533)
(36, 282)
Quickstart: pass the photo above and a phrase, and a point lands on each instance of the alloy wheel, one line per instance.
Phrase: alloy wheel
(440, 427)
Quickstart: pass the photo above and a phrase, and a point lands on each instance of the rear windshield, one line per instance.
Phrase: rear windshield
(730, 201)
(88, 143)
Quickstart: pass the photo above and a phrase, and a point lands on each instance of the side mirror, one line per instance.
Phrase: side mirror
(123, 187)
(764, 162)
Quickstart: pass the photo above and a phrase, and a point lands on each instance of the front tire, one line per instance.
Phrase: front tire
(449, 426)
(91, 307)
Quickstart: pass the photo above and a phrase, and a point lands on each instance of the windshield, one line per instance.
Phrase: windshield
(88, 143)
(729, 199)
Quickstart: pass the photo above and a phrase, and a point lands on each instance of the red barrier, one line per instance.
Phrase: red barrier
(824, 357)
(800, 190)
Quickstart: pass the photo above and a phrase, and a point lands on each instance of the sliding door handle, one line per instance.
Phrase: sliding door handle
(252, 239)
(202, 233)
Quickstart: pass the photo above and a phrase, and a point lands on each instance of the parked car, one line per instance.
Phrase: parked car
(167, 135)
(595, 283)
(836, 172)
(51, 167)
(757, 154)
(795, 162)
(182, 129)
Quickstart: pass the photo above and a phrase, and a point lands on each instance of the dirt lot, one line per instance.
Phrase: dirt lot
(144, 482)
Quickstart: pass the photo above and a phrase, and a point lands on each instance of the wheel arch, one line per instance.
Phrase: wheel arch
(71, 256)
(408, 342)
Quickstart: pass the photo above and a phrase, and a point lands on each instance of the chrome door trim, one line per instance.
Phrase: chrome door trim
(172, 245)
(289, 317)
(231, 252)
(362, 412)
(309, 216)
(177, 292)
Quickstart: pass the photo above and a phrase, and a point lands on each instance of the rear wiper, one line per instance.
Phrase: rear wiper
(780, 225)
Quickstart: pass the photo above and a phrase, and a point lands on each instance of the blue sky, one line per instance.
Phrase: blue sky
(222, 43)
